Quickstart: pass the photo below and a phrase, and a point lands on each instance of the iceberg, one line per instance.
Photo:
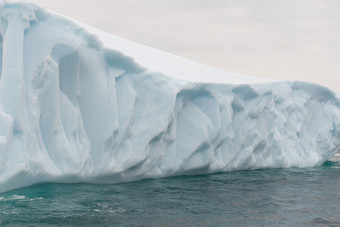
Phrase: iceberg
(80, 105)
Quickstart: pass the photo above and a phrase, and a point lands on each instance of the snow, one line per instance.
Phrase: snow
(81, 105)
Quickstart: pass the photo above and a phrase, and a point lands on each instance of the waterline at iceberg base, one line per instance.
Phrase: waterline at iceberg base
(80, 105)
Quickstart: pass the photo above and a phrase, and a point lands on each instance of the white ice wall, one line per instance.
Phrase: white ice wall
(71, 110)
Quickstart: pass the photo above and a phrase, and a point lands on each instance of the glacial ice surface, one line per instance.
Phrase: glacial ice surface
(81, 105)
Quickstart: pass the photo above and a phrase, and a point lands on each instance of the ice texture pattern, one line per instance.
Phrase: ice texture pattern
(81, 105)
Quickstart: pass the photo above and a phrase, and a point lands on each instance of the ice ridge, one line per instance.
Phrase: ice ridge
(74, 109)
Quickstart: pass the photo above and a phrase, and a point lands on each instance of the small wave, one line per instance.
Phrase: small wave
(16, 197)
(38, 198)
(106, 209)
(325, 222)
(13, 197)
(117, 211)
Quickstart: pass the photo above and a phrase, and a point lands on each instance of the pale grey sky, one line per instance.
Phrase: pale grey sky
(284, 39)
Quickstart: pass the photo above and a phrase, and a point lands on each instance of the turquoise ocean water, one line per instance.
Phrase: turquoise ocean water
(272, 197)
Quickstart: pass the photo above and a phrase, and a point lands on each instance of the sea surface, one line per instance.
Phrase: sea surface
(270, 197)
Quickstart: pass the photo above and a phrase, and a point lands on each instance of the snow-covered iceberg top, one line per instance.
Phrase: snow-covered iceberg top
(80, 105)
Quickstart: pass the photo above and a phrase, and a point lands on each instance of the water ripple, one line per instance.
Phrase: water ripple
(272, 197)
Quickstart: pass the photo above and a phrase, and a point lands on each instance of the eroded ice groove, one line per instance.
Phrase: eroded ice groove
(74, 110)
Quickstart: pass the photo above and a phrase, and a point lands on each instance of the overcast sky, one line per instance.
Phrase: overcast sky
(284, 39)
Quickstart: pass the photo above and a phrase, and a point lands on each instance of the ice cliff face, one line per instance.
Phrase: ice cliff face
(71, 110)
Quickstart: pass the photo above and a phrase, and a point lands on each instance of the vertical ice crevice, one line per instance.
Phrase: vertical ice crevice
(12, 84)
